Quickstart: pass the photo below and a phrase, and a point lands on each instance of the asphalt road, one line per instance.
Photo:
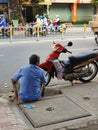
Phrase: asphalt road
(15, 54)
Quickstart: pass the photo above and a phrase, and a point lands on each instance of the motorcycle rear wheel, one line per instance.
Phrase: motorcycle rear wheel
(96, 39)
(93, 67)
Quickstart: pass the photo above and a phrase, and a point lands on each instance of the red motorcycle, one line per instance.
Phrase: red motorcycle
(81, 67)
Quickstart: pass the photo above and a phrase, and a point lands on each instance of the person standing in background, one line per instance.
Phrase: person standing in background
(2, 24)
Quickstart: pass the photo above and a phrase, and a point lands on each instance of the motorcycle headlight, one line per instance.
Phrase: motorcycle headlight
(54, 48)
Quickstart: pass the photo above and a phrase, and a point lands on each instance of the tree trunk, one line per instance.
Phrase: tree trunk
(20, 13)
(97, 9)
(16, 7)
(94, 9)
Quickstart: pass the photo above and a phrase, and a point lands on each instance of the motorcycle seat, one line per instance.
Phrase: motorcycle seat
(82, 57)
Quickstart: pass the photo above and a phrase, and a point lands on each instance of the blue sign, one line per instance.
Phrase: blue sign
(4, 1)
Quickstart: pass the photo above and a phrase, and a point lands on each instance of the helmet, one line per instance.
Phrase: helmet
(41, 17)
(1, 16)
(57, 47)
(36, 16)
(44, 15)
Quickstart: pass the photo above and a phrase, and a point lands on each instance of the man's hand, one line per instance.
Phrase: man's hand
(13, 82)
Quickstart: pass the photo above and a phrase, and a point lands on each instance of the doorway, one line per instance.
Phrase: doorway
(28, 13)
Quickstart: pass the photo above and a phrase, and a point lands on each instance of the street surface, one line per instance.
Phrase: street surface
(75, 109)
(15, 54)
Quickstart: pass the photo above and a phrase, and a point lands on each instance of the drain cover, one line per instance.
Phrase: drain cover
(52, 111)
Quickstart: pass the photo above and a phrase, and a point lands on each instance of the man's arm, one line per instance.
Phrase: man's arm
(13, 82)
(15, 89)
(43, 77)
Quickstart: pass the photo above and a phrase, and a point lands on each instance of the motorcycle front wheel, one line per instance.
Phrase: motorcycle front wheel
(96, 39)
(92, 69)
(48, 78)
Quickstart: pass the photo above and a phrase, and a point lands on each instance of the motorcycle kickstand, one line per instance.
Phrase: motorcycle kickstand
(71, 82)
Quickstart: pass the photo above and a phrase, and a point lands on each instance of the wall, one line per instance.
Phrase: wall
(63, 10)
(84, 11)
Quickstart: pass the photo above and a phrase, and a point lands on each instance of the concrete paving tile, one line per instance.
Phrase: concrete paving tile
(53, 111)
(7, 120)
(12, 127)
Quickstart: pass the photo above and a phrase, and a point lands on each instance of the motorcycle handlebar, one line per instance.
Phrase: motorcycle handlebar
(65, 50)
(69, 52)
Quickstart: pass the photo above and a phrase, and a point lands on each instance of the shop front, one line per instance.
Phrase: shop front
(72, 10)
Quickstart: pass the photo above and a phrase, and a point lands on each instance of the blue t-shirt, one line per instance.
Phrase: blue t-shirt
(3, 22)
(30, 78)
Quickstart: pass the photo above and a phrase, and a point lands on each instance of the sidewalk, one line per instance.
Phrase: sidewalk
(7, 120)
(11, 117)
(75, 109)
(70, 33)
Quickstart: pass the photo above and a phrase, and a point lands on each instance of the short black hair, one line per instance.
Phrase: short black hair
(34, 59)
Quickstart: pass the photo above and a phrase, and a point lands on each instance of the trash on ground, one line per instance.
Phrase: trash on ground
(29, 106)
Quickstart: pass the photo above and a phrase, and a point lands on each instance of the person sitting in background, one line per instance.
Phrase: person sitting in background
(31, 77)
(57, 23)
(57, 20)
(36, 24)
(45, 21)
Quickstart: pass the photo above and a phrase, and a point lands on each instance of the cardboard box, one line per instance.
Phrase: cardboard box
(93, 23)
(95, 29)
(95, 18)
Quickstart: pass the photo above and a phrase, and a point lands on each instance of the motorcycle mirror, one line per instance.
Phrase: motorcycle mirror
(69, 44)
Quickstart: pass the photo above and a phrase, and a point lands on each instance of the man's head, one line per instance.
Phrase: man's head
(34, 59)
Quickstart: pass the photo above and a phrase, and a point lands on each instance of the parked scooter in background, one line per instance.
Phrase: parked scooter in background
(29, 30)
(82, 67)
(6, 32)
